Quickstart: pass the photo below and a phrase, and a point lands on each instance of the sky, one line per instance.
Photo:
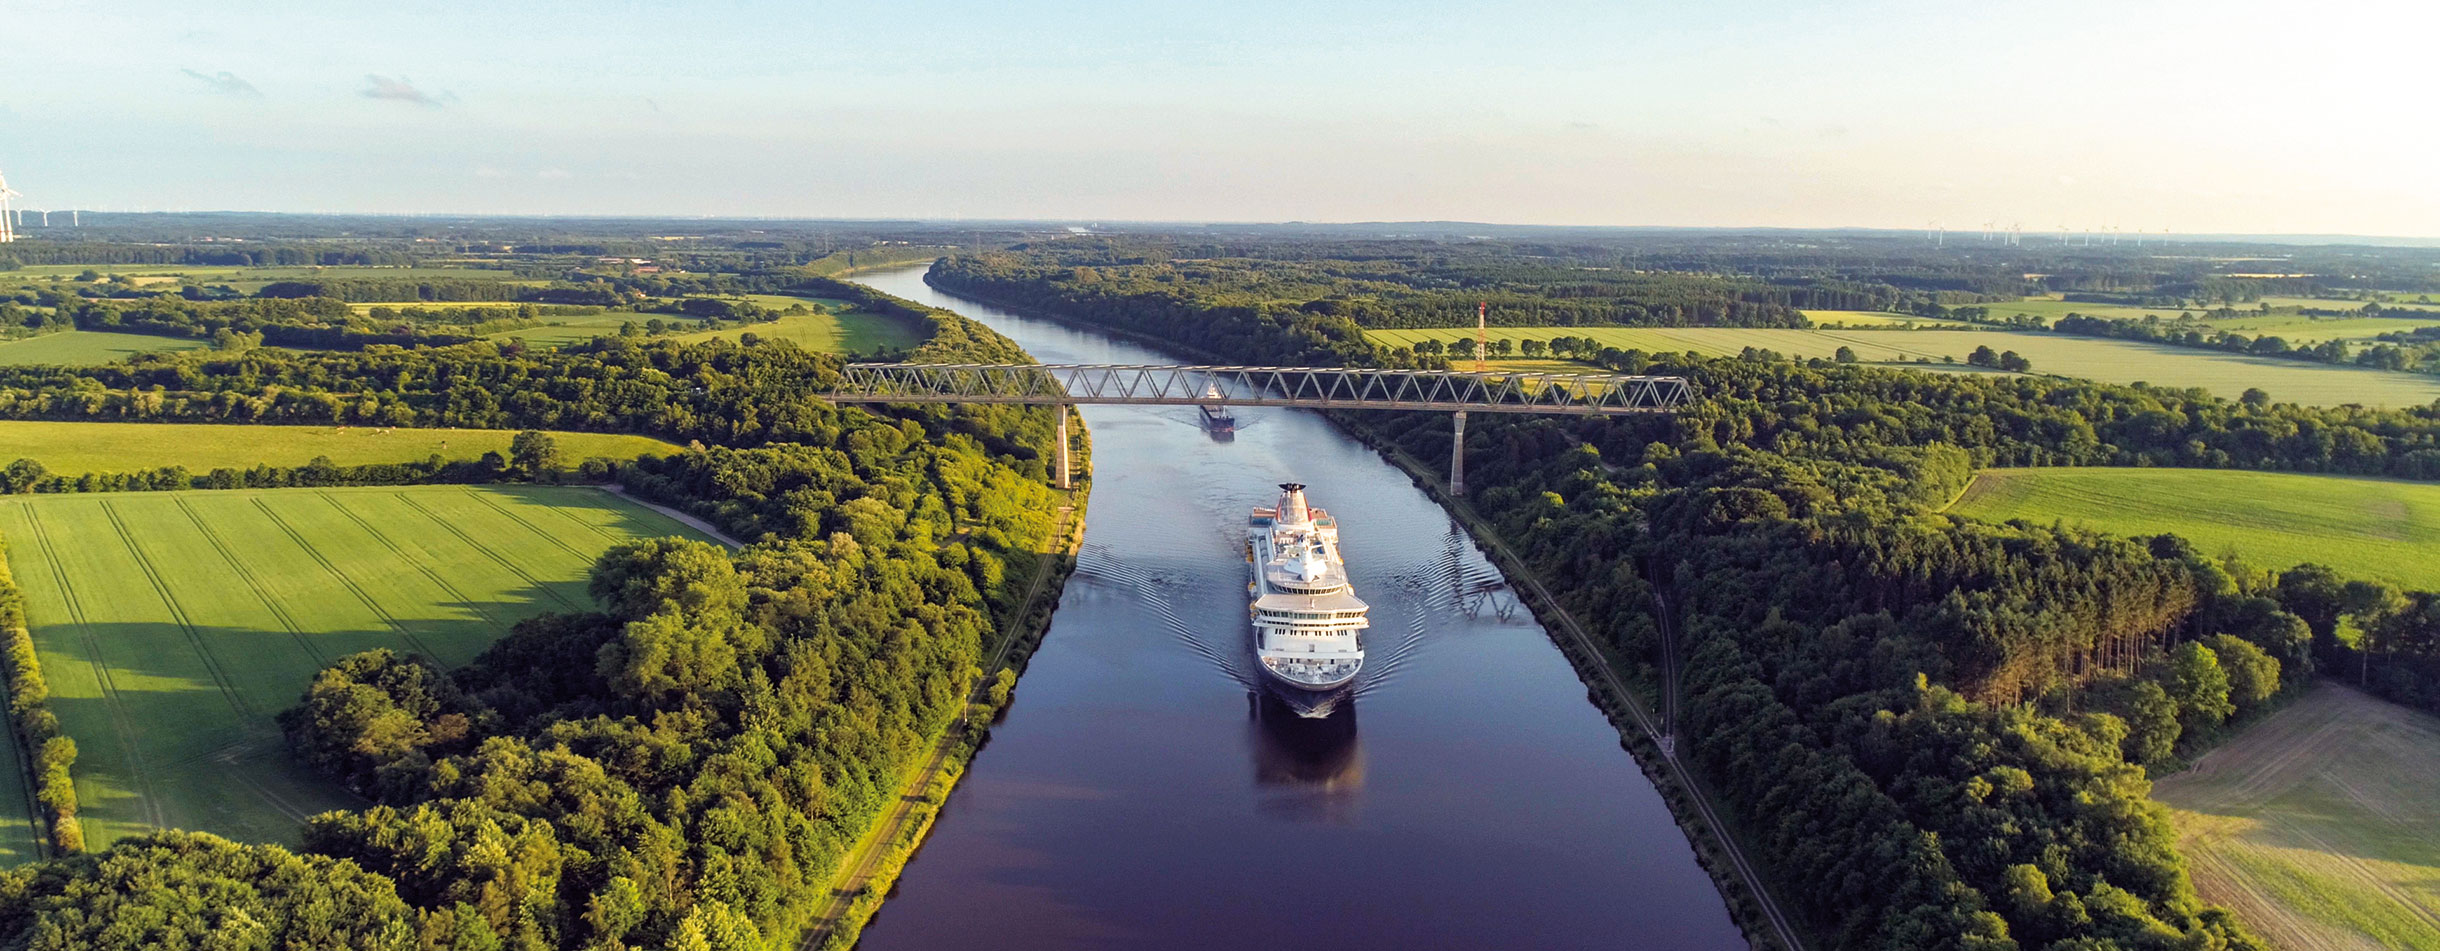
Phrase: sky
(2228, 116)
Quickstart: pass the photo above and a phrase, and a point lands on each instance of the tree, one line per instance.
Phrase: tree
(2014, 362)
(1844, 354)
(1983, 357)
(2200, 687)
(22, 476)
(534, 453)
(2151, 724)
(2253, 675)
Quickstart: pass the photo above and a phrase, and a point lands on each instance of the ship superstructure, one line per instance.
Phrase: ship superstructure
(1308, 622)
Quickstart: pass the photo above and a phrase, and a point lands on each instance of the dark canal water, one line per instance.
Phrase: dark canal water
(1137, 796)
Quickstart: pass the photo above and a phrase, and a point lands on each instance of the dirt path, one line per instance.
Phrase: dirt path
(675, 515)
(859, 868)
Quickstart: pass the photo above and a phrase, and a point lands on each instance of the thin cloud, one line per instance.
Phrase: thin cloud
(225, 83)
(400, 89)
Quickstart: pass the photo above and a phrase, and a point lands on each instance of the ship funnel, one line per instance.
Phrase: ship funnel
(1292, 503)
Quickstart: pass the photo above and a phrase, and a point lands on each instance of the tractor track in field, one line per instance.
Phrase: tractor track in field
(529, 526)
(255, 585)
(131, 736)
(512, 567)
(344, 581)
(177, 613)
(421, 568)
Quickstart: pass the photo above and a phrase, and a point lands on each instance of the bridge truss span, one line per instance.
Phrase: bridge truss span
(1592, 394)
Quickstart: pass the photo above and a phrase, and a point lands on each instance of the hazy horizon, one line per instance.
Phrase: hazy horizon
(2202, 118)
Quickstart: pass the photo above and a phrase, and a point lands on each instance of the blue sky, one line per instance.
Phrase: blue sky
(2199, 116)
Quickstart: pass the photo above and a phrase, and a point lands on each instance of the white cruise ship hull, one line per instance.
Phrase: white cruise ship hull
(1308, 623)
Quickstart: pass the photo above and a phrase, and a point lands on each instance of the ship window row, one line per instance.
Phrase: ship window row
(1314, 615)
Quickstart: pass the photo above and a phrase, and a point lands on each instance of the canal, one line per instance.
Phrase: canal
(1138, 796)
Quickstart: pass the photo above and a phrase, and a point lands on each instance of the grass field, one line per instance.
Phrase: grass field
(2318, 825)
(251, 279)
(83, 348)
(175, 625)
(2363, 527)
(835, 330)
(2296, 329)
(2409, 301)
(78, 448)
(2114, 361)
(19, 842)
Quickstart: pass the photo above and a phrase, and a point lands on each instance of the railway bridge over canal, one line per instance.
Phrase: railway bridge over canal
(1063, 385)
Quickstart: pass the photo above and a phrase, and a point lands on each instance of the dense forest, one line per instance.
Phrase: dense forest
(1937, 730)
(683, 766)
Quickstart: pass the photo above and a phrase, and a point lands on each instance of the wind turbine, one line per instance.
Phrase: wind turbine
(8, 225)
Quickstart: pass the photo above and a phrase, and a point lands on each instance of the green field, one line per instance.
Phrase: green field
(251, 279)
(2296, 329)
(174, 626)
(84, 348)
(2409, 301)
(834, 330)
(2097, 358)
(2050, 310)
(2378, 528)
(19, 842)
(78, 448)
(2318, 825)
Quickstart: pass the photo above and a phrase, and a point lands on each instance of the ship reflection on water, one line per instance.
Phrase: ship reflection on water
(1308, 767)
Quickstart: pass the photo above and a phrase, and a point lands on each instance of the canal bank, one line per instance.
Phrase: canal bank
(1136, 795)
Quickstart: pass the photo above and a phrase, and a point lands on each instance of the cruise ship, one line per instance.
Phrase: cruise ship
(1308, 623)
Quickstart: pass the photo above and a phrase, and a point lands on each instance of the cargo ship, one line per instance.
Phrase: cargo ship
(1217, 420)
(1308, 622)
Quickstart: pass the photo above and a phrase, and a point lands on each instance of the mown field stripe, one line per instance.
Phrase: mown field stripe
(295, 632)
(345, 581)
(177, 613)
(131, 737)
(487, 552)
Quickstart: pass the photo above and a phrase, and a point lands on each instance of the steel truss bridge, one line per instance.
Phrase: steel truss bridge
(1583, 394)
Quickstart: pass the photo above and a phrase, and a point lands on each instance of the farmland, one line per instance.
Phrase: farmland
(88, 347)
(2318, 825)
(175, 625)
(835, 329)
(2113, 361)
(78, 448)
(2375, 528)
(2300, 329)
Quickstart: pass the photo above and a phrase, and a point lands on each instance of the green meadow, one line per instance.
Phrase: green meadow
(78, 448)
(833, 329)
(173, 626)
(2112, 361)
(2377, 528)
(82, 348)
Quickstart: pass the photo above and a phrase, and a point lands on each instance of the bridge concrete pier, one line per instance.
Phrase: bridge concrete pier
(1457, 457)
(1064, 409)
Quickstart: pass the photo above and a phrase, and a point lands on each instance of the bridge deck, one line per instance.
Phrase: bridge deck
(1313, 387)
